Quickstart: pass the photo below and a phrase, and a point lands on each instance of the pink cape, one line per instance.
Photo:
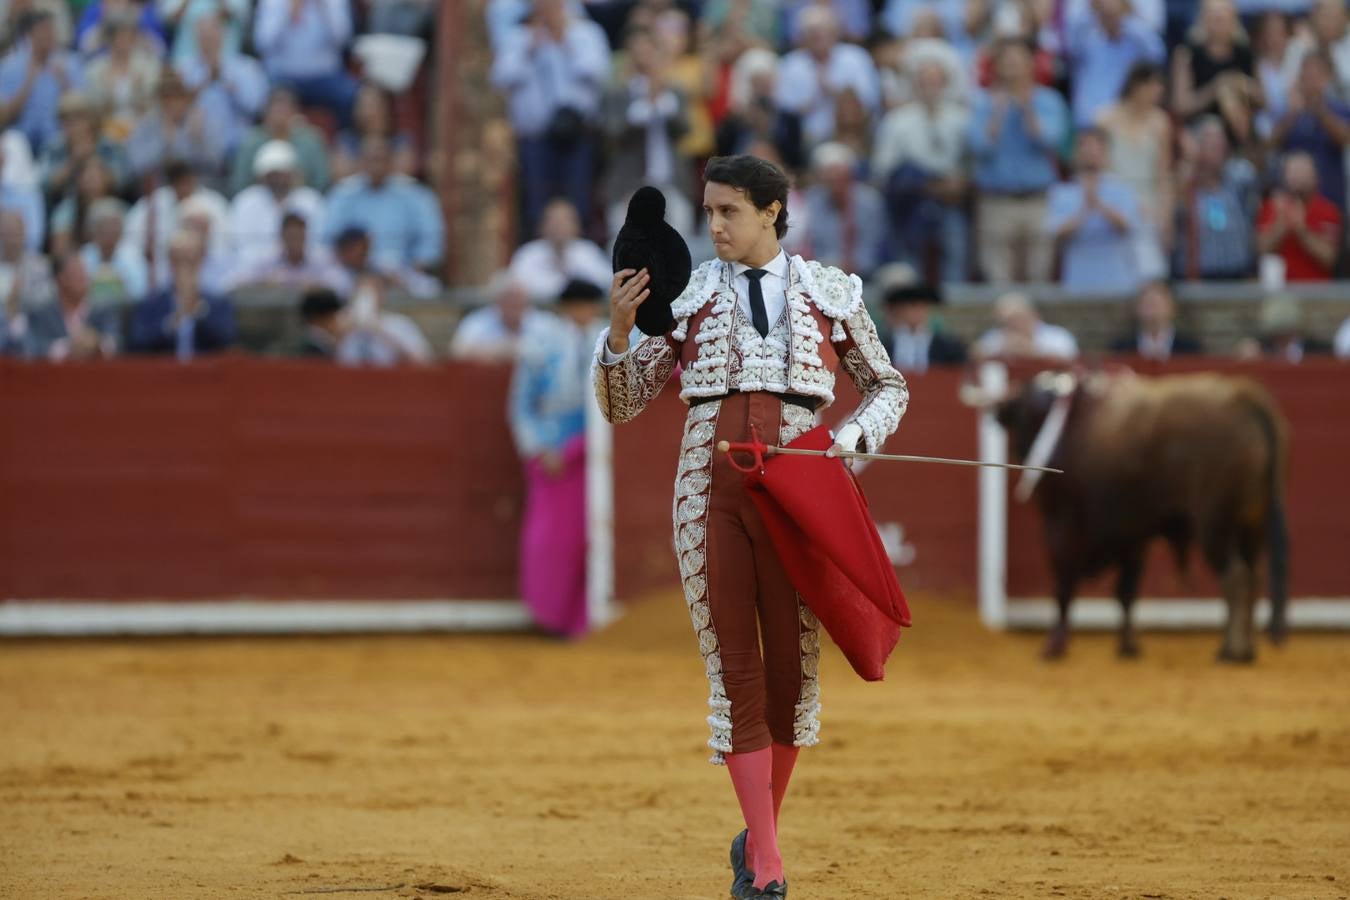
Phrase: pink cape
(553, 543)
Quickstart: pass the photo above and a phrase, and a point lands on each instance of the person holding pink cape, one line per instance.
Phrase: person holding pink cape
(549, 390)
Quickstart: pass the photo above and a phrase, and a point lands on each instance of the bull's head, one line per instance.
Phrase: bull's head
(1024, 411)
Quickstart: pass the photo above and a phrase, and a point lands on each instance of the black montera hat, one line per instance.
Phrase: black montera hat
(914, 293)
(646, 241)
(580, 289)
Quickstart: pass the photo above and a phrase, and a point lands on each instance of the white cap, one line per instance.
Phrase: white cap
(275, 156)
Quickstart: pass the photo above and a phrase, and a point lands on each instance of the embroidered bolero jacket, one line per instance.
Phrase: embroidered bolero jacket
(827, 326)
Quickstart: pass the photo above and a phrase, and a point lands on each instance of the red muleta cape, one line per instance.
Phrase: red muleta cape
(819, 522)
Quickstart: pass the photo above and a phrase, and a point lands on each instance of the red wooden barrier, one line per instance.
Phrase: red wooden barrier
(279, 479)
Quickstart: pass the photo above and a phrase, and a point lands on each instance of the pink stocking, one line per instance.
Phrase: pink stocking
(784, 760)
(752, 777)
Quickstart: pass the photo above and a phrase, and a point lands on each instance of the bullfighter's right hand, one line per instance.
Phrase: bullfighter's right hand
(626, 294)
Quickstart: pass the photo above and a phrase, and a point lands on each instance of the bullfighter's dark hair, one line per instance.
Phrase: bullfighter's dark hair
(760, 180)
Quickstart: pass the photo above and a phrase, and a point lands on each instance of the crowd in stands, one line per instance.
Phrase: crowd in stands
(158, 156)
(1112, 146)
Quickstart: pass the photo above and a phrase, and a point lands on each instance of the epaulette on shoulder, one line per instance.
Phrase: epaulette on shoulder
(834, 291)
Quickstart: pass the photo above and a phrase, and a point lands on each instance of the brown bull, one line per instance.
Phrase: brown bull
(1194, 459)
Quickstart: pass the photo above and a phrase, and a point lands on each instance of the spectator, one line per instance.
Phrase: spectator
(79, 141)
(402, 217)
(1019, 21)
(689, 74)
(753, 115)
(550, 388)
(1299, 225)
(325, 324)
(1281, 333)
(1020, 333)
(920, 159)
(494, 333)
(1015, 135)
(27, 202)
(19, 168)
(644, 120)
(178, 128)
(1328, 34)
(376, 337)
(94, 182)
(74, 328)
(183, 319)
(1140, 137)
(373, 116)
(1219, 198)
(231, 88)
(297, 264)
(812, 77)
(1214, 73)
(1276, 66)
(354, 261)
(16, 14)
(116, 269)
(123, 81)
(903, 17)
(913, 343)
(301, 43)
(33, 76)
(553, 70)
(853, 126)
(758, 21)
(854, 18)
(256, 212)
(1102, 49)
(1094, 220)
(845, 216)
(182, 17)
(158, 215)
(559, 255)
(1155, 335)
(91, 35)
(283, 121)
(1342, 345)
(26, 287)
(1317, 124)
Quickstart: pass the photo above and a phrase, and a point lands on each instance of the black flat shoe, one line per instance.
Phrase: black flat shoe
(743, 881)
(771, 891)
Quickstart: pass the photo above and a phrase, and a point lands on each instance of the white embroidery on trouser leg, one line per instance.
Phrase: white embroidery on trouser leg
(805, 722)
(693, 485)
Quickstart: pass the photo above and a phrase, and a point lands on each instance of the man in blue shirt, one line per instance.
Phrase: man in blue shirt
(32, 79)
(301, 42)
(1094, 219)
(1102, 48)
(552, 71)
(401, 216)
(1317, 124)
(1016, 131)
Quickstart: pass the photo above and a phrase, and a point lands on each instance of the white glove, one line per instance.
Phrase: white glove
(846, 439)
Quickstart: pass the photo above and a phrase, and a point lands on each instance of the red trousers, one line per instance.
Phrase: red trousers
(760, 644)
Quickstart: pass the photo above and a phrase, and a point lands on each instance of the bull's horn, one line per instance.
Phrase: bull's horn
(976, 397)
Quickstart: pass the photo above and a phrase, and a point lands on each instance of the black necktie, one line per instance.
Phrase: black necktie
(759, 316)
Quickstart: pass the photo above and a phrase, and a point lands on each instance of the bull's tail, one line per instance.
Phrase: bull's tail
(1277, 531)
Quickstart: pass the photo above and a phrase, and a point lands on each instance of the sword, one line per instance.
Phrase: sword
(729, 447)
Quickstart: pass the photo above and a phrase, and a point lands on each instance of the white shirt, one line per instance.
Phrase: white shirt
(397, 339)
(800, 87)
(255, 222)
(773, 286)
(910, 351)
(1050, 341)
(1342, 343)
(936, 143)
(538, 267)
(482, 334)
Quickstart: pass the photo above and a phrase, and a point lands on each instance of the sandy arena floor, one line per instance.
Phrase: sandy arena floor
(512, 767)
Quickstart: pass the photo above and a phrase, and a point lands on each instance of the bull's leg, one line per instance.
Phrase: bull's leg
(1058, 641)
(1127, 589)
(1239, 590)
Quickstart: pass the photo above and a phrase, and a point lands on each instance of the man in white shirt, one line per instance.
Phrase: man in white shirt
(823, 67)
(559, 255)
(256, 213)
(1021, 333)
(493, 333)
